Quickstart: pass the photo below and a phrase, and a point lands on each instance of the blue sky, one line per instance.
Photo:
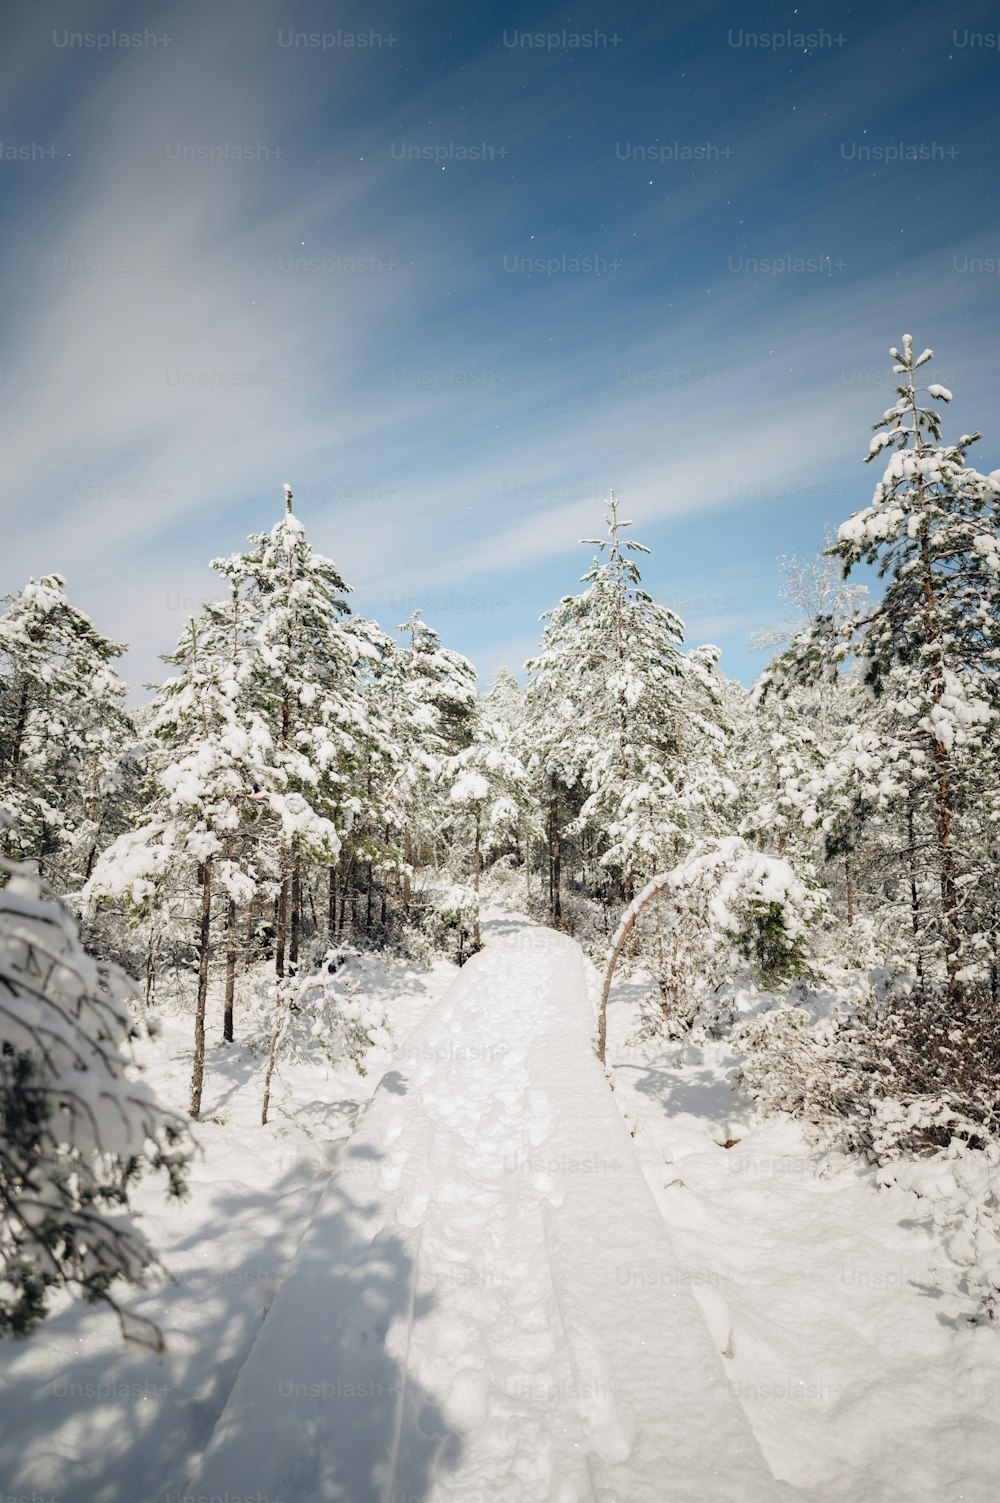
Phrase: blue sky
(455, 283)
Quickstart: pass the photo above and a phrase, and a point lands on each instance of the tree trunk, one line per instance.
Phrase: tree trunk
(204, 942)
(848, 880)
(152, 951)
(280, 1001)
(407, 869)
(555, 900)
(477, 868)
(296, 916)
(19, 729)
(282, 920)
(946, 869)
(914, 894)
(651, 890)
(661, 975)
(231, 930)
(331, 904)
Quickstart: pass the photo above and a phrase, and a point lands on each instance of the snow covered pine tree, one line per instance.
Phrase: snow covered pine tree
(64, 735)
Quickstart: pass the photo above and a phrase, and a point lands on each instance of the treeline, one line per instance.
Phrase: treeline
(302, 777)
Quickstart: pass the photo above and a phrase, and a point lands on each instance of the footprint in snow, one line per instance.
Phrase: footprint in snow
(541, 1117)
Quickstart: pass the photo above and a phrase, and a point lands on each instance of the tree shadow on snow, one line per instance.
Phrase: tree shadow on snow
(277, 1376)
(698, 1092)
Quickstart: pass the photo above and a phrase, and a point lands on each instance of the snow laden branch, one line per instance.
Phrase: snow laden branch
(725, 900)
(76, 1127)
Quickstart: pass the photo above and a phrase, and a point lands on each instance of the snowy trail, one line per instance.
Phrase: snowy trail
(486, 1307)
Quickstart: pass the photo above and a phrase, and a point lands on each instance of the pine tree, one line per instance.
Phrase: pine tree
(301, 662)
(927, 654)
(211, 769)
(432, 703)
(488, 781)
(64, 734)
(627, 726)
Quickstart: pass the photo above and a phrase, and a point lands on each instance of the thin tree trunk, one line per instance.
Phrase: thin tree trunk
(19, 728)
(331, 905)
(296, 916)
(914, 893)
(231, 931)
(850, 892)
(204, 941)
(555, 903)
(477, 868)
(282, 934)
(651, 890)
(661, 975)
(949, 890)
(345, 883)
(276, 1026)
(407, 869)
(152, 951)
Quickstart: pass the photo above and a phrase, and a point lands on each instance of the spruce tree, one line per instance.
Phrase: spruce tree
(64, 733)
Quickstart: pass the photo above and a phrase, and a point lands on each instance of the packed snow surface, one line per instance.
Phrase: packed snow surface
(486, 1306)
(530, 1331)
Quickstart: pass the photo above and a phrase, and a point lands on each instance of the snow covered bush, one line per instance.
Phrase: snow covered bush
(76, 1128)
(457, 908)
(885, 1076)
(896, 1077)
(323, 1013)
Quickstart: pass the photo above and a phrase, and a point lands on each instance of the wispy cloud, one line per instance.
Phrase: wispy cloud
(344, 319)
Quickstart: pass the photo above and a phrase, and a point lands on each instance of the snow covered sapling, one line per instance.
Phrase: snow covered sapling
(724, 903)
(76, 1128)
(327, 1013)
(432, 700)
(457, 907)
(488, 782)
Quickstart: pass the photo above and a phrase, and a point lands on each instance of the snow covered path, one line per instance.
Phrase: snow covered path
(487, 1306)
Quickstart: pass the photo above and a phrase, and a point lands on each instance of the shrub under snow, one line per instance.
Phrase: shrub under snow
(76, 1127)
(323, 1012)
(904, 1081)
